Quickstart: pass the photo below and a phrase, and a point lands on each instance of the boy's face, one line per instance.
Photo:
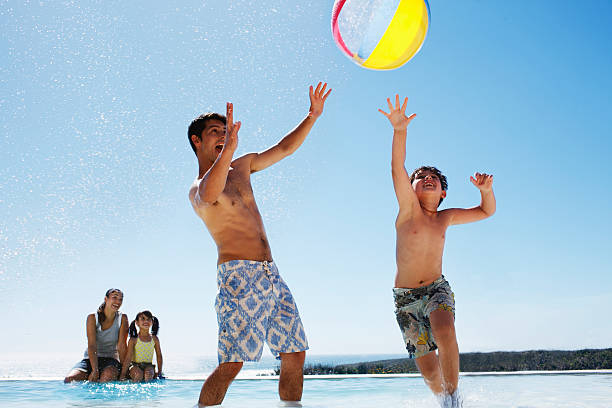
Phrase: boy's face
(213, 138)
(427, 183)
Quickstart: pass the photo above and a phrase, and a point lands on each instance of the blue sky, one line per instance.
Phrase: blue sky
(96, 97)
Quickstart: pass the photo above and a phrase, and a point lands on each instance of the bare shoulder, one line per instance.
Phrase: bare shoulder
(406, 214)
(244, 161)
(156, 339)
(447, 213)
(193, 190)
(91, 317)
(132, 341)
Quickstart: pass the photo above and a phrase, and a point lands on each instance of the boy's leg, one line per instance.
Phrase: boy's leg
(443, 328)
(429, 366)
(291, 381)
(215, 386)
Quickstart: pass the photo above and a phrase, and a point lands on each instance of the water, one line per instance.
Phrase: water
(29, 380)
(520, 391)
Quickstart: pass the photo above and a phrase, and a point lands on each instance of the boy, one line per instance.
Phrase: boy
(424, 302)
(253, 302)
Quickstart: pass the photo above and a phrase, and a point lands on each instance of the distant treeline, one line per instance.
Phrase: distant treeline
(590, 359)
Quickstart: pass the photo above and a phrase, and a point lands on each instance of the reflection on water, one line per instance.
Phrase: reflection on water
(542, 391)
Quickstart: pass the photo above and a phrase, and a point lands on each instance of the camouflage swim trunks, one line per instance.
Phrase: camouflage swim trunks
(254, 305)
(412, 309)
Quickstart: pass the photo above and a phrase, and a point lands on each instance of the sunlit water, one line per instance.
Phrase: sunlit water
(593, 390)
(32, 380)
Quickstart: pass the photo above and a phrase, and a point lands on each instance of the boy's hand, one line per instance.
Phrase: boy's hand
(483, 182)
(397, 115)
(231, 130)
(317, 100)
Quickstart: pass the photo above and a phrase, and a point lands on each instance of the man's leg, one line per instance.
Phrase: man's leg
(443, 329)
(215, 386)
(429, 366)
(291, 381)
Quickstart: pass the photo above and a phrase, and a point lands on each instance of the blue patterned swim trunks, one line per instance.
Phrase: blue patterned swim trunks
(412, 309)
(255, 305)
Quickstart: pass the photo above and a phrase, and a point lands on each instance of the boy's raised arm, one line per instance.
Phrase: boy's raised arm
(484, 183)
(210, 187)
(295, 138)
(401, 181)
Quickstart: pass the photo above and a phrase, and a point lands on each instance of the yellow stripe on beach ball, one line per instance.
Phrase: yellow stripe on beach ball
(403, 38)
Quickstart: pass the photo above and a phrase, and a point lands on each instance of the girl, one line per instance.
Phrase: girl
(106, 336)
(140, 348)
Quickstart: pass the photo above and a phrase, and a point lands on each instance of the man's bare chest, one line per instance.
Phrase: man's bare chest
(238, 189)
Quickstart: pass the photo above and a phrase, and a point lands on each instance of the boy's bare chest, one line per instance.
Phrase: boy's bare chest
(422, 230)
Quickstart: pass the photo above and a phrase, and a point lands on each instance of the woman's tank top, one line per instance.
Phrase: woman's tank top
(106, 340)
(143, 351)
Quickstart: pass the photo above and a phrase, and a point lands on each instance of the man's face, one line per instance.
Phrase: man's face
(213, 138)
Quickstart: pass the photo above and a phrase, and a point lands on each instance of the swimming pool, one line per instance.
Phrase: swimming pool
(492, 391)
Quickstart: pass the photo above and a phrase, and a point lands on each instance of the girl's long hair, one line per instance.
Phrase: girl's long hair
(154, 330)
(101, 315)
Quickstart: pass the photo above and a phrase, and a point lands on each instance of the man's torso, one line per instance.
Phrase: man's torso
(234, 221)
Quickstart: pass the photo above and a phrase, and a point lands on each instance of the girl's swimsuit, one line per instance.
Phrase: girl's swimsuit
(143, 351)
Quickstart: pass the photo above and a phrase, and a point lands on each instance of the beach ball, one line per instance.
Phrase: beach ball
(380, 34)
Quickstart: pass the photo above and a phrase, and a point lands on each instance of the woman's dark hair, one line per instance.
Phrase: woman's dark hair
(101, 315)
(134, 333)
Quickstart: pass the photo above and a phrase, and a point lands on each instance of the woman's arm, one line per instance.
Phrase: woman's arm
(92, 347)
(122, 340)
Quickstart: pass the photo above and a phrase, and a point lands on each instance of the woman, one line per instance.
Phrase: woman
(107, 331)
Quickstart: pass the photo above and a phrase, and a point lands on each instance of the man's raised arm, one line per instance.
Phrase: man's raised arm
(210, 187)
(295, 138)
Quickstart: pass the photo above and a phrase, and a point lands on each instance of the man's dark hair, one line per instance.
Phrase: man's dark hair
(442, 177)
(198, 125)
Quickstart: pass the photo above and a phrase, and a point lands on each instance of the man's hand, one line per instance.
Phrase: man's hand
(93, 377)
(483, 182)
(317, 100)
(231, 130)
(397, 114)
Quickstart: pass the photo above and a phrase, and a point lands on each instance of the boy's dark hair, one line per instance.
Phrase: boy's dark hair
(442, 177)
(134, 333)
(198, 125)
